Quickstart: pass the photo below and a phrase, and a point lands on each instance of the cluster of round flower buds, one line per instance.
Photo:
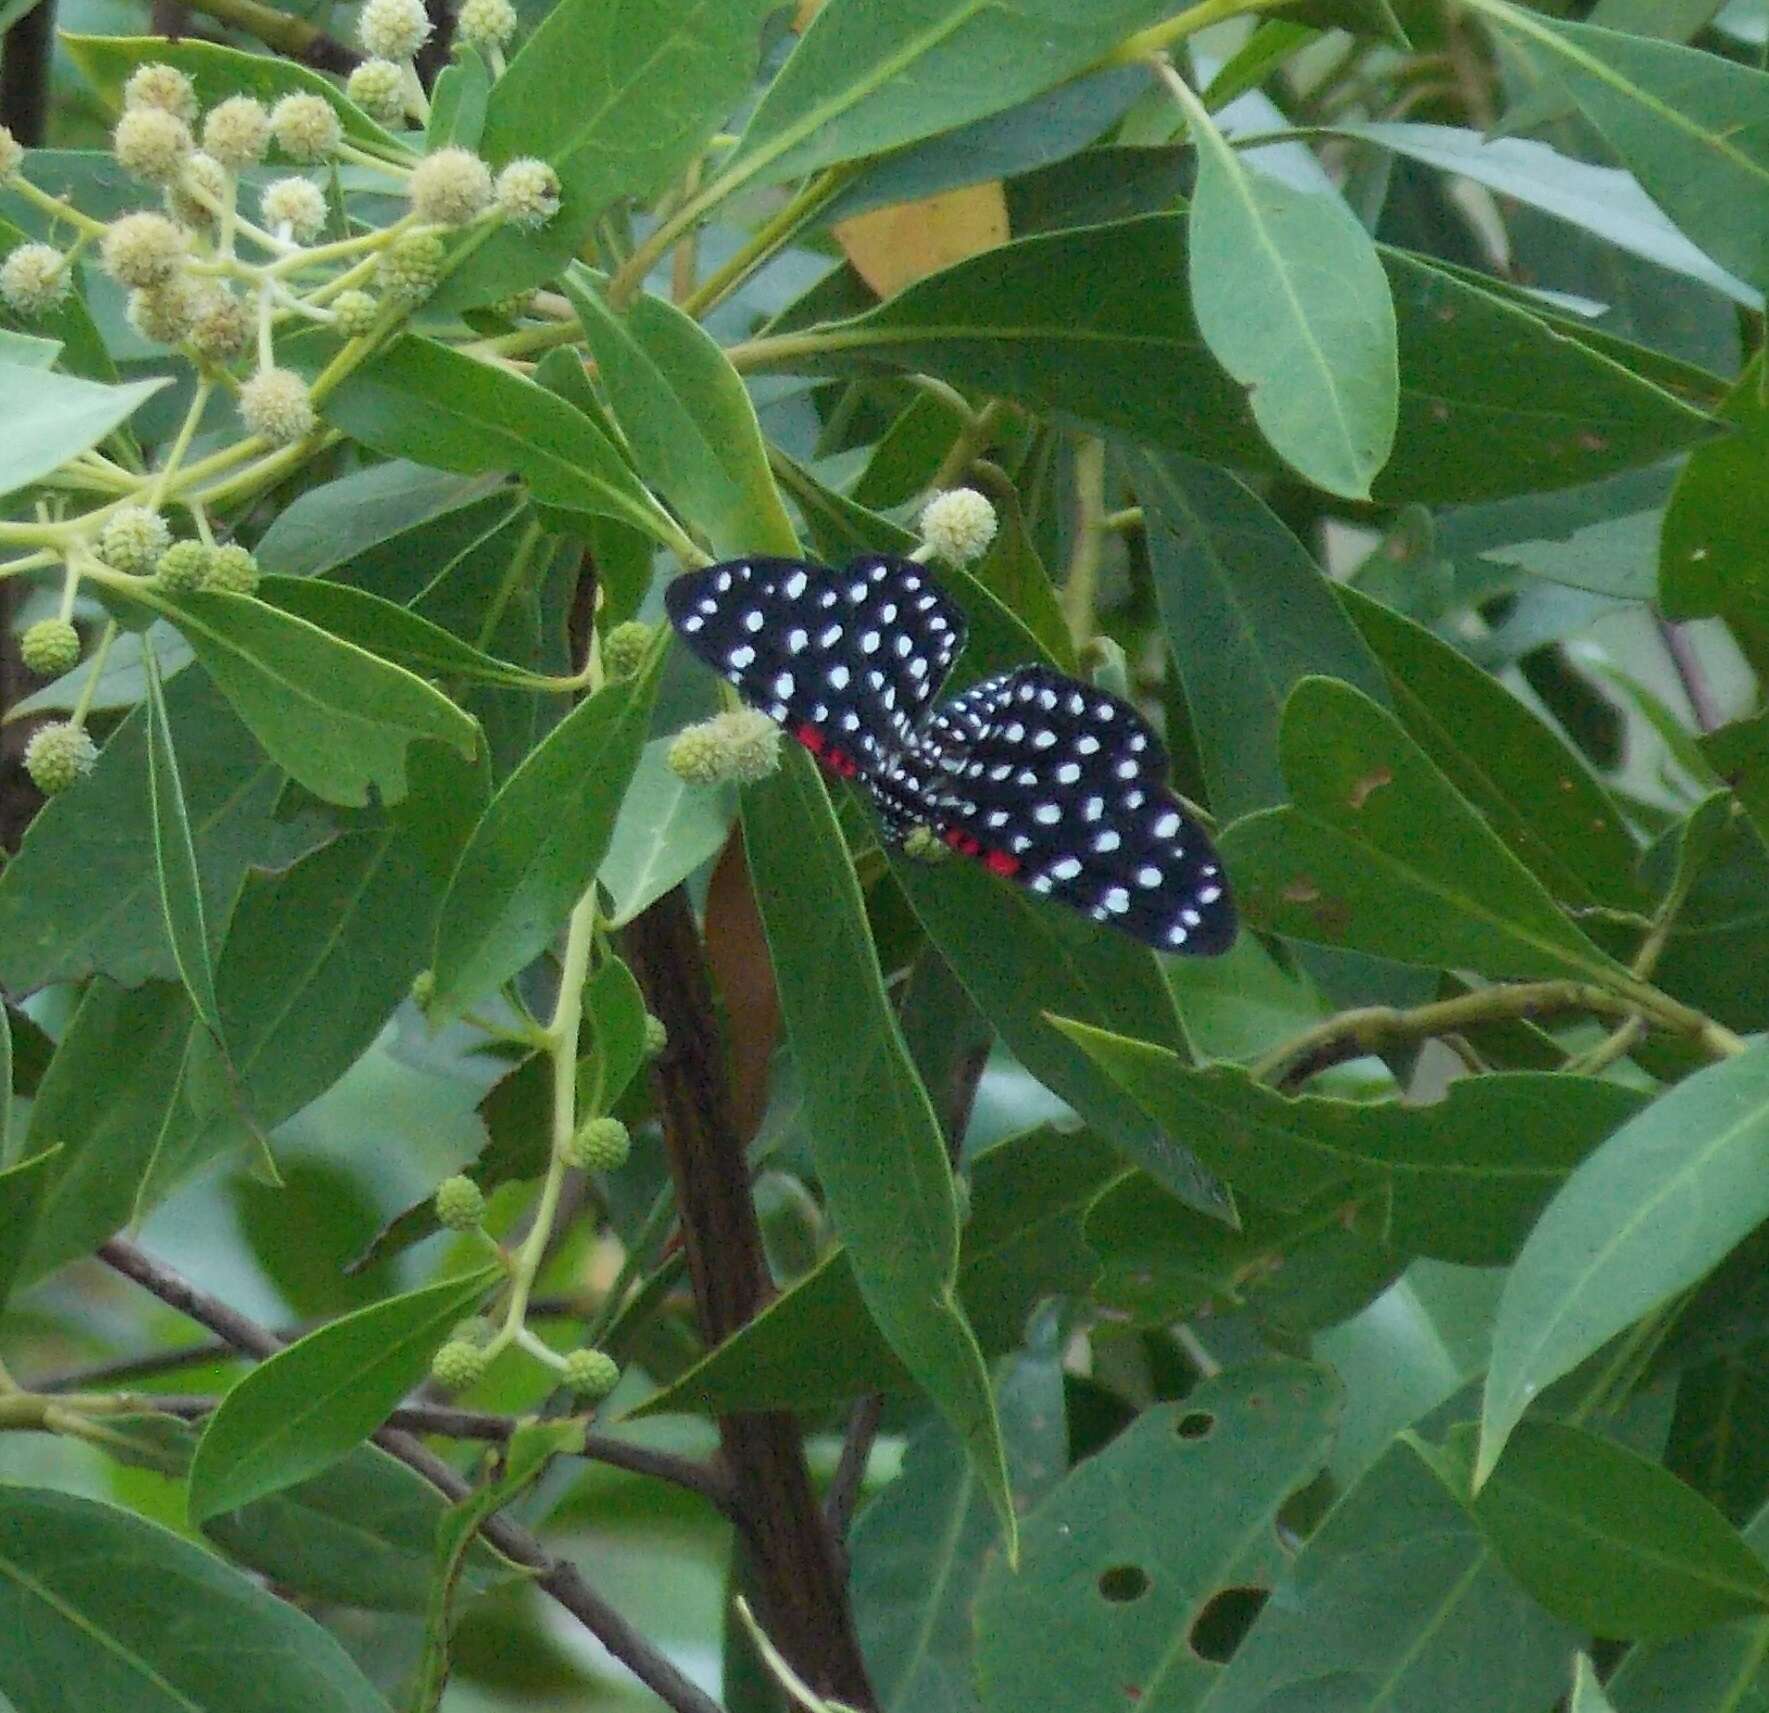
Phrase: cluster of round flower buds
(741, 745)
(57, 755)
(194, 567)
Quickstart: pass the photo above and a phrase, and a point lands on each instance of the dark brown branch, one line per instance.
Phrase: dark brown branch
(704, 1479)
(559, 1577)
(800, 1592)
(850, 1472)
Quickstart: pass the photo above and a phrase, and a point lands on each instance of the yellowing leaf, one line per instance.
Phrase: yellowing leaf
(893, 247)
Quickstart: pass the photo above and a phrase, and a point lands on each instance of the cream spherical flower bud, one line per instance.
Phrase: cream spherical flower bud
(58, 755)
(133, 538)
(237, 133)
(221, 325)
(164, 313)
(164, 87)
(357, 313)
(450, 187)
(276, 404)
(34, 278)
(201, 189)
(393, 29)
(377, 86)
(152, 144)
(142, 249)
(306, 127)
(752, 741)
(959, 525)
(233, 570)
(528, 192)
(297, 204)
(407, 272)
(185, 567)
(486, 23)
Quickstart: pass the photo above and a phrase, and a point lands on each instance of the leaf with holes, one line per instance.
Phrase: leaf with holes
(1136, 1565)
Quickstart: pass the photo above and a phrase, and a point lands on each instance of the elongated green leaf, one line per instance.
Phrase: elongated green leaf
(1466, 1175)
(217, 72)
(1247, 614)
(1381, 853)
(1612, 1542)
(541, 841)
(866, 79)
(1710, 558)
(101, 1604)
(175, 859)
(1688, 123)
(78, 898)
(1656, 1208)
(687, 418)
(303, 1408)
(1534, 789)
(394, 633)
(1291, 299)
(117, 1097)
(1385, 1608)
(665, 831)
(21, 1193)
(1601, 200)
(1019, 959)
(1022, 1243)
(650, 83)
(420, 400)
(887, 1182)
(1492, 401)
(338, 719)
(919, 1550)
(1108, 1589)
(50, 417)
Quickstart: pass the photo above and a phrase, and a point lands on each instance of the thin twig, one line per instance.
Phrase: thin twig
(557, 1576)
(850, 1472)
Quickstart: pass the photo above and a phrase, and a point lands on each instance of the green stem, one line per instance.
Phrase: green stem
(90, 688)
(1145, 44)
(198, 404)
(764, 242)
(1081, 586)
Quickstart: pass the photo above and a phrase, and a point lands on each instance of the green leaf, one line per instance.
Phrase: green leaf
(1533, 788)
(1465, 1175)
(1291, 299)
(650, 83)
(541, 841)
(458, 100)
(1022, 1243)
(1021, 959)
(51, 417)
(687, 418)
(918, 1551)
(79, 897)
(1381, 853)
(116, 1097)
(1388, 1603)
(665, 831)
(343, 522)
(424, 401)
(1492, 401)
(1247, 614)
(125, 1614)
(319, 955)
(887, 1183)
(1612, 1542)
(1657, 1207)
(175, 859)
(1587, 1689)
(394, 633)
(1685, 121)
(1600, 200)
(1710, 558)
(865, 79)
(338, 719)
(305, 1407)
(21, 1193)
(1108, 1588)
(218, 72)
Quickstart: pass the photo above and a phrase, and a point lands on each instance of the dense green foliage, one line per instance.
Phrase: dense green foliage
(853, 1278)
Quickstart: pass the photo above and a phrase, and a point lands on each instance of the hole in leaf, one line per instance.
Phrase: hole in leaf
(1123, 1583)
(1195, 1424)
(1225, 1621)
